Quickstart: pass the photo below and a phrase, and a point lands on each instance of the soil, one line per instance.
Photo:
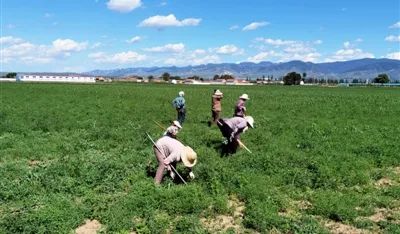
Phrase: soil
(222, 223)
(90, 227)
(340, 228)
(384, 182)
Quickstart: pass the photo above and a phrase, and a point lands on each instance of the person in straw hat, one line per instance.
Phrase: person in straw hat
(168, 152)
(240, 109)
(173, 130)
(180, 106)
(215, 106)
(232, 128)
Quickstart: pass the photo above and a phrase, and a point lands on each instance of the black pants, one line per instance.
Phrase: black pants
(181, 115)
(226, 131)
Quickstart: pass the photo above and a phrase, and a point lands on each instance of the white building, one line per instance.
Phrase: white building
(55, 78)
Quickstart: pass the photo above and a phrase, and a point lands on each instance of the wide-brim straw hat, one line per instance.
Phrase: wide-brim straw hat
(244, 96)
(250, 121)
(189, 157)
(219, 93)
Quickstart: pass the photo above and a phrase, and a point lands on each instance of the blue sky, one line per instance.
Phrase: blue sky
(82, 35)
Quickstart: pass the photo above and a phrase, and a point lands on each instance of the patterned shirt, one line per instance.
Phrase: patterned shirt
(179, 102)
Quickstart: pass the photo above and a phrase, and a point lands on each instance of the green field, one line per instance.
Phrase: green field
(324, 159)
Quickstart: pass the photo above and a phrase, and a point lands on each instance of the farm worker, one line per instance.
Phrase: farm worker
(215, 106)
(172, 151)
(232, 128)
(240, 109)
(179, 104)
(173, 130)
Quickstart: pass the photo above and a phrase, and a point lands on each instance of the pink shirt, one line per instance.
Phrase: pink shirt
(171, 148)
(237, 124)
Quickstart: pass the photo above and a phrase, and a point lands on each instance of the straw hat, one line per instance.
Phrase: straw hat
(176, 123)
(244, 96)
(219, 93)
(181, 93)
(250, 121)
(189, 157)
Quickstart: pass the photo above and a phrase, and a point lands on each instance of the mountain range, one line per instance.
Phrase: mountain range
(354, 69)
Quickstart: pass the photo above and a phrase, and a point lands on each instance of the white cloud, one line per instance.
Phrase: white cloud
(288, 50)
(18, 50)
(48, 15)
(396, 25)
(199, 51)
(349, 54)
(395, 55)
(160, 21)
(123, 5)
(68, 45)
(134, 39)
(255, 25)
(129, 57)
(234, 27)
(9, 40)
(227, 49)
(168, 48)
(393, 38)
(263, 56)
(193, 60)
(275, 42)
(306, 57)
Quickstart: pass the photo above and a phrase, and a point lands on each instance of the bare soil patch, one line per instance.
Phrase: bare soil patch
(341, 228)
(90, 227)
(384, 182)
(222, 223)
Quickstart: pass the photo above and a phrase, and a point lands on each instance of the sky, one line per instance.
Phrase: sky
(84, 35)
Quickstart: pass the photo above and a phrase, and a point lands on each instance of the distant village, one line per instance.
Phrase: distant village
(291, 78)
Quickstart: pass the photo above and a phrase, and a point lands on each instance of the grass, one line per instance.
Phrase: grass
(76, 152)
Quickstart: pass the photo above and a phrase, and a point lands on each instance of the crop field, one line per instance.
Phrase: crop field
(324, 160)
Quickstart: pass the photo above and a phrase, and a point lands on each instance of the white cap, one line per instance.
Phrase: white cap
(176, 123)
(219, 93)
(250, 121)
(173, 130)
(181, 93)
(244, 96)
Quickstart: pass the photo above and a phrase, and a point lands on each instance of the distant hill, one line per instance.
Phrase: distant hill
(354, 69)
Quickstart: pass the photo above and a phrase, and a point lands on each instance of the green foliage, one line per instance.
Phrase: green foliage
(76, 152)
(165, 76)
(382, 78)
(11, 75)
(292, 78)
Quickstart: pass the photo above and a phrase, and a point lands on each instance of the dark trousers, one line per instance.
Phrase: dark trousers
(226, 131)
(215, 116)
(181, 115)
